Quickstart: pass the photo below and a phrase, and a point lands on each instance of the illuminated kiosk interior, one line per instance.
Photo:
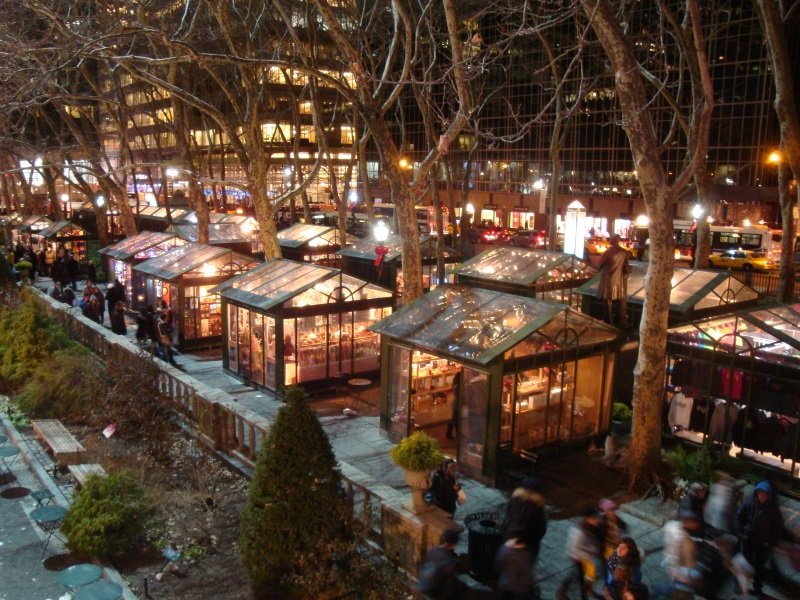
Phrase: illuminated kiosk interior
(67, 235)
(534, 376)
(358, 259)
(118, 259)
(549, 276)
(694, 294)
(237, 232)
(183, 277)
(287, 322)
(310, 243)
(7, 223)
(27, 230)
(735, 381)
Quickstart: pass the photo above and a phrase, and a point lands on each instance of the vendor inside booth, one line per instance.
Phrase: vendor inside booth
(549, 276)
(67, 235)
(519, 377)
(181, 279)
(119, 258)
(310, 243)
(695, 294)
(381, 262)
(287, 322)
(734, 382)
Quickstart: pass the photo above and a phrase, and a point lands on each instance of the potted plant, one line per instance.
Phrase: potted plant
(24, 268)
(417, 455)
(621, 415)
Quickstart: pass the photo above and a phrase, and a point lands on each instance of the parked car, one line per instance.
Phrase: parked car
(491, 234)
(746, 260)
(528, 238)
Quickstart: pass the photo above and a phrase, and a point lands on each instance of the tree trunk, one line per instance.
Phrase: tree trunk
(265, 213)
(703, 230)
(787, 272)
(50, 183)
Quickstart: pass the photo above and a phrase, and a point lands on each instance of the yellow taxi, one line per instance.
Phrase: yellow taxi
(595, 245)
(746, 260)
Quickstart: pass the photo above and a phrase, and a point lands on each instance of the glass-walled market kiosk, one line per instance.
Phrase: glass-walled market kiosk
(521, 376)
(550, 276)
(118, 259)
(287, 322)
(358, 259)
(695, 294)
(310, 243)
(224, 235)
(183, 277)
(26, 232)
(67, 235)
(734, 381)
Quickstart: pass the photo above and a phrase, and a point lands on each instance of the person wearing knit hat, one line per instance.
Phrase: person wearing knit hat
(759, 526)
(525, 514)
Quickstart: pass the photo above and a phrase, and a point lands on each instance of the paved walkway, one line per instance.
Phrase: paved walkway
(357, 440)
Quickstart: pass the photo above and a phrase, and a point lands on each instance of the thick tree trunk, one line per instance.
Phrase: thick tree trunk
(787, 271)
(265, 213)
(50, 183)
(703, 247)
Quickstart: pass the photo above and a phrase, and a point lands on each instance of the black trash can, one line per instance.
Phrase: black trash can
(485, 537)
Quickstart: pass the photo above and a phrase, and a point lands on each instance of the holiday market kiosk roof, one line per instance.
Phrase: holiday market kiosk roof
(365, 248)
(195, 260)
(218, 233)
(315, 236)
(281, 281)
(64, 230)
(478, 325)
(528, 268)
(145, 244)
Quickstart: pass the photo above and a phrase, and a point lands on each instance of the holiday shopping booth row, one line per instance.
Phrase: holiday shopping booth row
(516, 377)
(734, 382)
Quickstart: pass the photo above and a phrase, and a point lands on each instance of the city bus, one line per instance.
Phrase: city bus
(758, 238)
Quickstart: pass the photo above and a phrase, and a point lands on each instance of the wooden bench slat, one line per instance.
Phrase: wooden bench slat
(81, 472)
(65, 448)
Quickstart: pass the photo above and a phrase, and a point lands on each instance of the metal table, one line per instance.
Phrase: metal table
(100, 590)
(77, 576)
(8, 454)
(49, 518)
(359, 385)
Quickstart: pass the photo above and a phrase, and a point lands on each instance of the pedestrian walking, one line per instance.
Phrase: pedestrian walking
(445, 487)
(525, 513)
(68, 296)
(760, 527)
(628, 556)
(117, 318)
(514, 567)
(614, 271)
(695, 501)
(724, 497)
(165, 339)
(438, 576)
(584, 545)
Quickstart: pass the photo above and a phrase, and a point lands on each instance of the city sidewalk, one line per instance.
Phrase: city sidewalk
(357, 440)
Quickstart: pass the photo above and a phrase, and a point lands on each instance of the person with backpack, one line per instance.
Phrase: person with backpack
(438, 577)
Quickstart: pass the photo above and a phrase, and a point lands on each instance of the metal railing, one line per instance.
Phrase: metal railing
(766, 284)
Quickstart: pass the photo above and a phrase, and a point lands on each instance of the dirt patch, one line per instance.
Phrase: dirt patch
(198, 502)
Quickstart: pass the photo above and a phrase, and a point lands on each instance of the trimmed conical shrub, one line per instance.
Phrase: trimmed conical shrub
(296, 510)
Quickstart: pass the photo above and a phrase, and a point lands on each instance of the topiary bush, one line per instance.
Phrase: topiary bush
(108, 517)
(417, 452)
(621, 412)
(296, 509)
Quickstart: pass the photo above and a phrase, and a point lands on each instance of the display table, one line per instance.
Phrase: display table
(49, 518)
(359, 386)
(77, 576)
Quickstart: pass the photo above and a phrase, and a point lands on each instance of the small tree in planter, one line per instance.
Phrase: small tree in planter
(24, 268)
(417, 455)
(621, 415)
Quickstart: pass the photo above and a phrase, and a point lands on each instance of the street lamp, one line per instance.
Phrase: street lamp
(380, 232)
(99, 200)
(697, 212)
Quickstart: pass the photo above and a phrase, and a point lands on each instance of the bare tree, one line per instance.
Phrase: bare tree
(773, 22)
(659, 195)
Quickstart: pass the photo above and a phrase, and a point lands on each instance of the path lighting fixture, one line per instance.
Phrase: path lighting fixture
(65, 197)
(470, 208)
(538, 184)
(99, 200)
(642, 221)
(171, 172)
(380, 232)
(774, 157)
(404, 164)
(697, 211)
(747, 223)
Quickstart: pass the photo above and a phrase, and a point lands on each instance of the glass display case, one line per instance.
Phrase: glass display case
(310, 243)
(183, 277)
(67, 235)
(513, 374)
(549, 276)
(313, 322)
(359, 258)
(695, 294)
(120, 257)
(734, 381)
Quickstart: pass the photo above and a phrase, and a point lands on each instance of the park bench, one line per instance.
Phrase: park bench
(80, 473)
(61, 443)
